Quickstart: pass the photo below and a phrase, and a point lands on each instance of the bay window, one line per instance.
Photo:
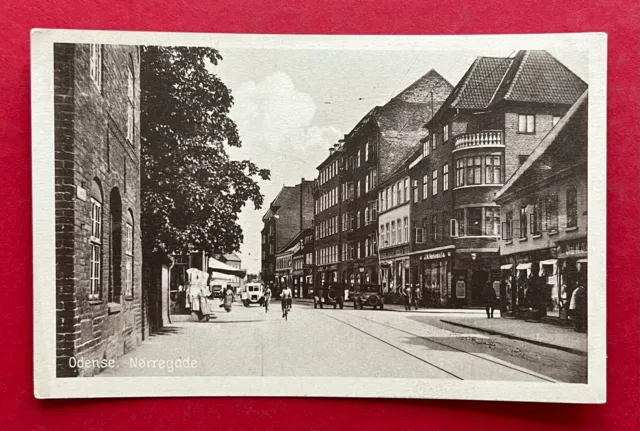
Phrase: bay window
(493, 170)
(492, 221)
(474, 170)
(459, 172)
(474, 221)
(458, 215)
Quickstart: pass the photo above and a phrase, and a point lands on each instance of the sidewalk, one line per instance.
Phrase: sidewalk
(400, 308)
(542, 334)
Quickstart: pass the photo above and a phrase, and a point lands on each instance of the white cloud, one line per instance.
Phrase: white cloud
(273, 120)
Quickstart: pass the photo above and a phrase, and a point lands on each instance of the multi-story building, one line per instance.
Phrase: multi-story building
(290, 212)
(544, 215)
(367, 155)
(100, 310)
(394, 199)
(494, 118)
(294, 264)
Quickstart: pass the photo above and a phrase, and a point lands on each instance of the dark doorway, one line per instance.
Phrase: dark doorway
(478, 282)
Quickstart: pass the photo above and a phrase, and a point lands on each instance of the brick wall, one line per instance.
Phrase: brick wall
(94, 159)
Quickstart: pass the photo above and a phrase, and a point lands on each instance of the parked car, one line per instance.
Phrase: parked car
(216, 291)
(369, 295)
(329, 294)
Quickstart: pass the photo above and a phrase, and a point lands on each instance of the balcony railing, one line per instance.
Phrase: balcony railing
(486, 138)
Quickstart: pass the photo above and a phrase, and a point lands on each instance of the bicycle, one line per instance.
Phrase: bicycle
(287, 307)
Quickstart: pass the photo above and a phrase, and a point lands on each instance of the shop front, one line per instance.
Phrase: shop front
(572, 267)
(472, 271)
(530, 282)
(431, 272)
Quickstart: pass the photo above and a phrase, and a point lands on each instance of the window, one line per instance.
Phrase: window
(536, 219)
(95, 64)
(366, 247)
(130, 105)
(415, 191)
(445, 133)
(425, 186)
(358, 185)
(366, 152)
(128, 251)
(526, 123)
(406, 189)
(382, 235)
(419, 234)
(551, 215)
(474, 170)
(492, 221)
(399, 192)
(393, 233)
(393, 197)
(367, 220)
(115, 246)
(434, 182)
(555, 119)
(523, 222)
(474, 221)
(96, 243)
(399, 231)
(459, 172)
(426, 146)
(445, 177)
(434, 228)
(507, 231)
(459, 216)
(387, 233)
(492, 170)
(572, 207)
(358, 159)
(358, 220)
(386, 199)
(406, 229)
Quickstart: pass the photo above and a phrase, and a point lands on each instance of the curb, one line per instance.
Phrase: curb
(516, 337)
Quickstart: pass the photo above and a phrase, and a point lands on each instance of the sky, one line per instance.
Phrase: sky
(291, 105)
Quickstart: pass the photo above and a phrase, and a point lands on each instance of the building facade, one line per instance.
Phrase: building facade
(493, 120)
(373, 150)
(544, 218)
(100, 309)
(394, 231)
(290, 212)
(234, 261)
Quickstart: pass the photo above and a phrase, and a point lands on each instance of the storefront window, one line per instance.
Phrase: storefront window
(474, 221)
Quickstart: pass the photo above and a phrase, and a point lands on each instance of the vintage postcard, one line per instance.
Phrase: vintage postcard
(327, 216)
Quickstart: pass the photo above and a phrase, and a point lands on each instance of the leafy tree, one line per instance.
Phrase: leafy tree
(192, 192)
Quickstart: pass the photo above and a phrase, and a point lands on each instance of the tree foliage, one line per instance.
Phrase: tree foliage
(192, 192)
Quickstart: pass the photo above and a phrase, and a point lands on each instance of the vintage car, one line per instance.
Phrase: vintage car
(329, 294)
(369, 295)
(255, 294)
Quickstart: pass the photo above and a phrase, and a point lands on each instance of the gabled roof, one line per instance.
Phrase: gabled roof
(538, 77)
(295, 240)
(529, 77)
(553, 145)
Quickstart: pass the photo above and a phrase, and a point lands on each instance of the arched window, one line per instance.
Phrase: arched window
(96, 241)
(128, 253)
(115, 246)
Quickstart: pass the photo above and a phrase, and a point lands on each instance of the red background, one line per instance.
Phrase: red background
(619, 18)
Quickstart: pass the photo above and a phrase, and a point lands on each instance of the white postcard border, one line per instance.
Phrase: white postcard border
(46, 385)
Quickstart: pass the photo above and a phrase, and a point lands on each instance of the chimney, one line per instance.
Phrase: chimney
(331, 150)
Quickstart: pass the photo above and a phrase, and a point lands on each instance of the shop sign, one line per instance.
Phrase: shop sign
(461, 289)
(434, 255)
(574, 249)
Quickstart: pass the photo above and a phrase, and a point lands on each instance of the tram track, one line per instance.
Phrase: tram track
(430, 340)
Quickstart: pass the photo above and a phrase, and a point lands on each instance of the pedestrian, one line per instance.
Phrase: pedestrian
(490, 300)
(578, 308)
(407, 298)
(417, 296)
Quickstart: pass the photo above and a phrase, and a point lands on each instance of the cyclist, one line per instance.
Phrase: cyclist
(285, 299)
(267, 298)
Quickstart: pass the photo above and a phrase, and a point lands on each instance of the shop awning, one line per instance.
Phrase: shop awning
(221, 276)
(581, 261)
(222, 268)
(508, 266)
(523, 266)
(549, 262)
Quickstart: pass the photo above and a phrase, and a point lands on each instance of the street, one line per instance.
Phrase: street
(342, 343)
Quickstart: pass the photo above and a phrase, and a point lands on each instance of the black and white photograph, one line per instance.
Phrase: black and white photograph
(371, 216)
